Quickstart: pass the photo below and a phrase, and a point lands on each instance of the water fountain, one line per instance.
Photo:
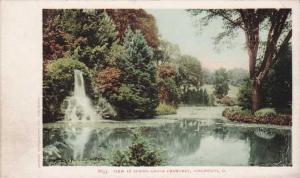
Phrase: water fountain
(78, 108)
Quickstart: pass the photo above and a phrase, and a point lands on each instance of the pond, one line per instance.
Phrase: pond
(195, 136)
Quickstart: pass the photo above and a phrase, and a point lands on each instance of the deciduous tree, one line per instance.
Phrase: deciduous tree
(190, 72)
(221, 83)
(277, 23)
(136, 19)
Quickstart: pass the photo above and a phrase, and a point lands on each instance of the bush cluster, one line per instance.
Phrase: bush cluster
(165, 109)
(227, 101)
(139, 153)
(263, 116)
(265, 112)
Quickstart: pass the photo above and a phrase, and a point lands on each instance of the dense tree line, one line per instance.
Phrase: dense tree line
(198, 97)
(121, 57)
(118, 67)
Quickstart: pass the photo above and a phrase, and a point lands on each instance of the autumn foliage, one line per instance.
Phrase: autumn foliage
(109, 80)
(136, 19)
(168, 92)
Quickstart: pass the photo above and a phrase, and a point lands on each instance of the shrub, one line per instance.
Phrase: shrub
(165, 109)
(227, 101)
(244, 95)
(231, 110)
(129, 104)
(236, 110)
(211, 100)
(263, 116)
(139, 154)
(265, 112)
(59, 83)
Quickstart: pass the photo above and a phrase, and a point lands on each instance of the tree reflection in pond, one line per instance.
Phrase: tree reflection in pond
(183, 143)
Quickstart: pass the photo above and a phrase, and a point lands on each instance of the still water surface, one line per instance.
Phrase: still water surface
(193, 137)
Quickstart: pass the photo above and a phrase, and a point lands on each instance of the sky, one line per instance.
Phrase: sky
(179, 27)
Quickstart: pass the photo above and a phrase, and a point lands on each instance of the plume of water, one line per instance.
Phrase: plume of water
(79, 106)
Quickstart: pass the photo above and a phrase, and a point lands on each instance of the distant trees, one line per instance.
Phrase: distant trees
(221, 83)
(207, 76)
(178, 74)
(189, 72)
(197, 97)
(167, 52)
(277, 24)
(236, 76)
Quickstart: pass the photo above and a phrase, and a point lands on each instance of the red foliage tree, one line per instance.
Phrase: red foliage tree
(109, 80)
(55, 41)
(167, 89)
(136, 19)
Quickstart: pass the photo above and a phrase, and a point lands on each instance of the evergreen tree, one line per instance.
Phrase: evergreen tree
(277, 90)
(200, 93)
(95, 35)
(205, 97)
(138, 95)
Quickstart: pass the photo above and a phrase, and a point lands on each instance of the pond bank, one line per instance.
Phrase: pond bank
(209, 115)
(241, 116)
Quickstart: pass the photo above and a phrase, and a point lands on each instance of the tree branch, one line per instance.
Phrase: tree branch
(277, 25)
(283, 45)
(270, 63)
(231, 21)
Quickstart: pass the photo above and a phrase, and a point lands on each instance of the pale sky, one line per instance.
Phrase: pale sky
(177, 26)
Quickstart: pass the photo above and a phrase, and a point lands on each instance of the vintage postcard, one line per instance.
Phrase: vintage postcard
(149, 89)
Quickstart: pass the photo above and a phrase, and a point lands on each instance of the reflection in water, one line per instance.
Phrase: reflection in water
(184, 143)
(264, 133)
(77, 138)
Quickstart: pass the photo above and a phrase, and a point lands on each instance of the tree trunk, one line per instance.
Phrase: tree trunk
(256, 96)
